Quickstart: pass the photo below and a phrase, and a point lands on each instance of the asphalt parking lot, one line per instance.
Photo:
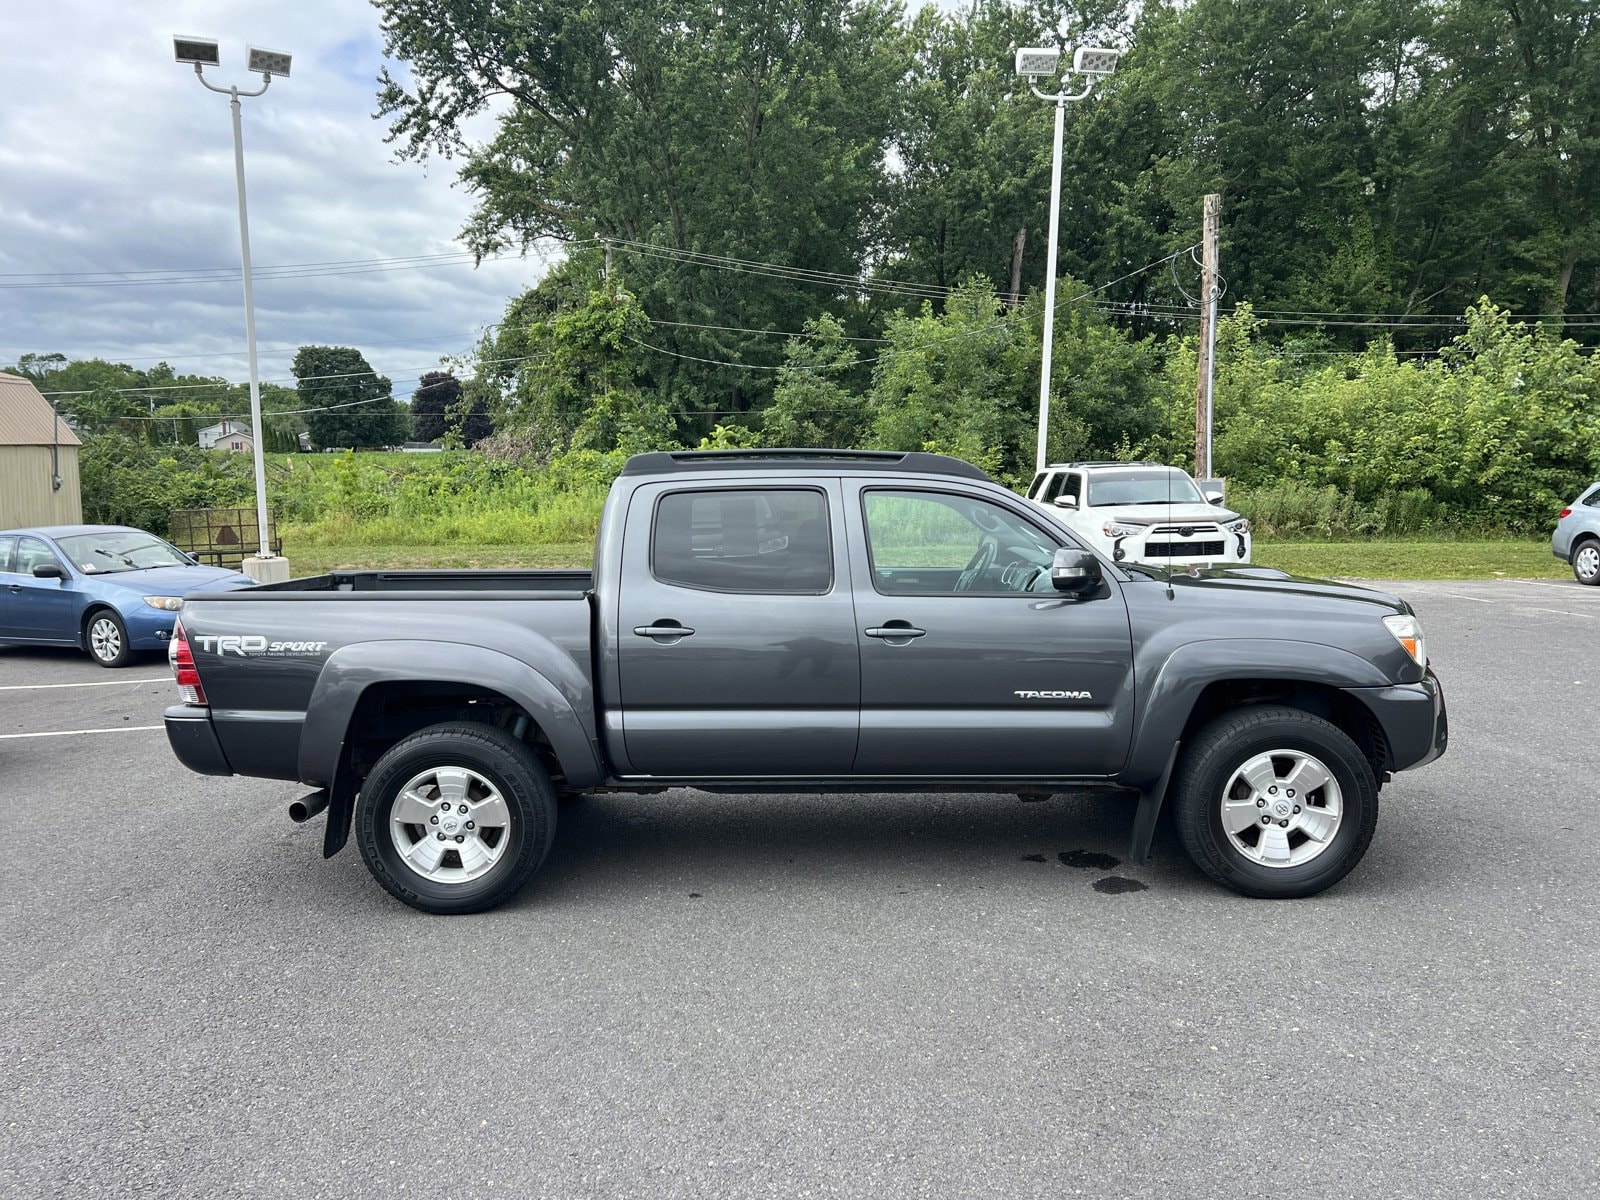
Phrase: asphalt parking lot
(837, 996)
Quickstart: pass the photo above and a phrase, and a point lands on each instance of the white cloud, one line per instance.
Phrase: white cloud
(113, 158)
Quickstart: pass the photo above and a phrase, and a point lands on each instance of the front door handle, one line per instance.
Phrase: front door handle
(895, 631)
(663, 631)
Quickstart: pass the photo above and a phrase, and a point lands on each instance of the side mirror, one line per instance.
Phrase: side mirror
(1075, 571)
(1213, 497)
(1065, 502)
(49, 571)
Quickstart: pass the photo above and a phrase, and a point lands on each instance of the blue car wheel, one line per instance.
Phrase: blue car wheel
(107, 638)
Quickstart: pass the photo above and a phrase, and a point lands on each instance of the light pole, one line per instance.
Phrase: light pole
(267, 63)
(1035, 63)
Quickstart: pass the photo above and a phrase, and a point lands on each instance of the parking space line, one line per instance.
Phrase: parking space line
(39, 687)
(6, 737)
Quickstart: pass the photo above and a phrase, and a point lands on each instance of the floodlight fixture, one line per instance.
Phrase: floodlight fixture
(1095, 61)
(269, 62)
(200, 51)
(1038, 62)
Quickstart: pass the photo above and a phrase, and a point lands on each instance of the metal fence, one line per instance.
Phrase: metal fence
(221, 537)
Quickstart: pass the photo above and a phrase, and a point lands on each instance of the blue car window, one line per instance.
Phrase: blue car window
(6, 545)
(31, 553)
(1592, 500)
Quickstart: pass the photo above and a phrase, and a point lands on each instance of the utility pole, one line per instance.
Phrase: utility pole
(1208, 336)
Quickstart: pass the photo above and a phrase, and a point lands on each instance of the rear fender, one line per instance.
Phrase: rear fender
(352, 669)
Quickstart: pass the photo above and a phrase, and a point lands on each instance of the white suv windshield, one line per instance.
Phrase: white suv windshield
(1155, 486)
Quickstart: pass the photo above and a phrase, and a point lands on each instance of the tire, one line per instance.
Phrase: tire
(451, 863)
(105, 637)
(1586, 562)
(1236, 776)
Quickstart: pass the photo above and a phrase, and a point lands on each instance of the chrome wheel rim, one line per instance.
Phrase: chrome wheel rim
(450, 825)
(105, 639)
(1282, 808)
(1587, 562)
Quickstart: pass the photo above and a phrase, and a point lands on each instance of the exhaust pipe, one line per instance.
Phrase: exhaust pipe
(303, 809)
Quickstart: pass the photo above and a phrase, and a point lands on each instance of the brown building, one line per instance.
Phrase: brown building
(38, 460)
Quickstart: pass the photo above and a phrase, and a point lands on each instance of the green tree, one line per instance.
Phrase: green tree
(756, 129)
(351, 404)
(814, 403)
(436, 392)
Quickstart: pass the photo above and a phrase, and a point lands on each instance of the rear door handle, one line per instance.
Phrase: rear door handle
(663, 631)
(895, 630)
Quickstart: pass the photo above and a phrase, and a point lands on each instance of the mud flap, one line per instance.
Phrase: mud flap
(1145, 816)
(341, 808)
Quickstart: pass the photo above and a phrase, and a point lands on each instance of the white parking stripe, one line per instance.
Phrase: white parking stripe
(6, 737)
(39, 687)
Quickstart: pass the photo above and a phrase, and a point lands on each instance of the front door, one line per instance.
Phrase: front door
(972, 664)
(736, 632)
(38, 610)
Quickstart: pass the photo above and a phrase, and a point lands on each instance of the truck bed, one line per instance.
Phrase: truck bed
(567, 584)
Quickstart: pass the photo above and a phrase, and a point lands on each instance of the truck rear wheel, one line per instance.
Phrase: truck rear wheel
(1275, 802)
(456, 818)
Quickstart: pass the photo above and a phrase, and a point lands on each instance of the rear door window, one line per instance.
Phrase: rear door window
(762, 540)
(7, 545)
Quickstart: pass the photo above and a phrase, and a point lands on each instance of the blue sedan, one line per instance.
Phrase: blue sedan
(107, 589)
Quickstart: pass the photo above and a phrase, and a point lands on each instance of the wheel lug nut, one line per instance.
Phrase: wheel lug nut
(1272, 791)
(1266, 820)
(1261, 803)
(463, 808)
(440, 836)
(470, 825)
(1285, 824)
(459, 838)
(1297, 808)
(1291, 793)
(433, 820)
(444, 808)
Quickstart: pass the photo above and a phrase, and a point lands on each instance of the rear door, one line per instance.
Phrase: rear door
(736, 629)
(971, 663)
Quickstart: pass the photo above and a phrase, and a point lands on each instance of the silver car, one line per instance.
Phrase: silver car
(1577, 536)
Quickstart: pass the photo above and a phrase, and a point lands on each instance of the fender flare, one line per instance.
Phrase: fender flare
(352, 669)
(1187, 672)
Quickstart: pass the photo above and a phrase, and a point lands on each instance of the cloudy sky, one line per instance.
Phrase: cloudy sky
(113, 159)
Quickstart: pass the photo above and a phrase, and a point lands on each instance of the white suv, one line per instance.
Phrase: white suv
(1143, 512)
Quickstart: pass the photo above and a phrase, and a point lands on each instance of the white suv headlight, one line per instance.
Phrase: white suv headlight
(1407, 631)
(1114, 530)
(1239, 526)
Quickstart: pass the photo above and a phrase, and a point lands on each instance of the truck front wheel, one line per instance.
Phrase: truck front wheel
(1275, 802)
(456, 818)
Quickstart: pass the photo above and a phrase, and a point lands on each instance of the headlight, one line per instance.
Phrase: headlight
(1113, 530)
(165, 603)
(1407, 631)
(1239, 526)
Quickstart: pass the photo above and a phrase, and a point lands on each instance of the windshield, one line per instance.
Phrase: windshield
(120, 550)
(1155, 486)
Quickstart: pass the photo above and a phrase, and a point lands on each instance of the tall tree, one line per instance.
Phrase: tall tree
(436, 392)
(351, 404)
(753, 129)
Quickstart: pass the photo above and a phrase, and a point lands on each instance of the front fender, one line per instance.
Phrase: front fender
(1170, 697)
(352, 669)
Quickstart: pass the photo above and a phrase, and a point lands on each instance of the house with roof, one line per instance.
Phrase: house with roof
(227, 434)
(38, 459)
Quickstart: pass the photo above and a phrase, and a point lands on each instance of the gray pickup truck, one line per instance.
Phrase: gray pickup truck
(810, 621)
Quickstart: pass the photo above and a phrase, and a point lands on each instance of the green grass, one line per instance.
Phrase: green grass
(314, 560)
(1356, 560)
(1414, 560)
